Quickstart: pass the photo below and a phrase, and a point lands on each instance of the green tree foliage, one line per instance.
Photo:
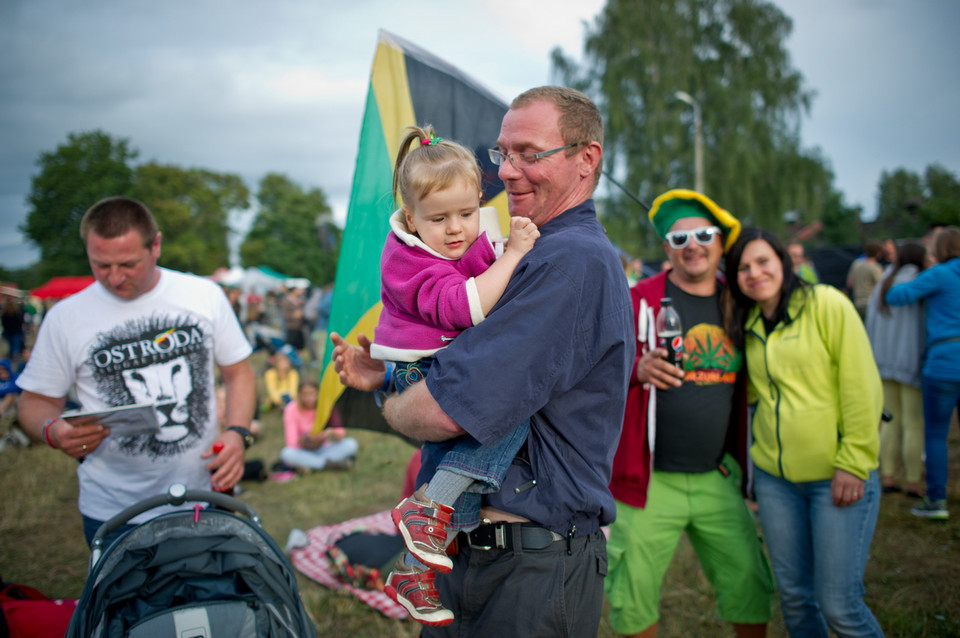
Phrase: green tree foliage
(840, 223)
(730, 56)
(293, 232)
(191, 208)
(27, 277)
(943, 195)
(191, 205)
(89, 167)
(909, 202)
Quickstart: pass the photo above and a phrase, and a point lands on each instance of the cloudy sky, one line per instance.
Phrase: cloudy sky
(252, 87)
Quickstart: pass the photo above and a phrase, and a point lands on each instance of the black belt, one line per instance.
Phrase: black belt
(501, 536)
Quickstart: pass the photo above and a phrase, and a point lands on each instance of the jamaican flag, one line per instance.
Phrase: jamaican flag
(408, 86)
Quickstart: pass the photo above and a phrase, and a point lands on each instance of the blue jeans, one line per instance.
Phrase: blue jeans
(464, 455)
(819, 553)
(334, 451)
(940, 397)
(91, 525)
(15, 344)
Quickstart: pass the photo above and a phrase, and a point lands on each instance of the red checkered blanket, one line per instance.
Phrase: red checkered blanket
(312, 559)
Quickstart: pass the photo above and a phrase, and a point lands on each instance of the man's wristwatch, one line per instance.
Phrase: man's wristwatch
(244, 433)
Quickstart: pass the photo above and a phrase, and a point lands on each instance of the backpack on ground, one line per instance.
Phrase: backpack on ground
(26, 612)
(363, 558)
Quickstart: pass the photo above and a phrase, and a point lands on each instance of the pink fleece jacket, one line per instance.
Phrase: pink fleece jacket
(428, 299)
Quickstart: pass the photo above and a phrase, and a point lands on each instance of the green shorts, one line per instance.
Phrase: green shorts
(722, 531)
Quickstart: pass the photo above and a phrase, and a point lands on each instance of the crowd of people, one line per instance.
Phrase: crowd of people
(289, 324)
(759, 331)
(20, 317)
(791, 404)
(801, 355)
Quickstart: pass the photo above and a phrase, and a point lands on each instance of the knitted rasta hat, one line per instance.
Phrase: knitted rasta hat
(679, 203)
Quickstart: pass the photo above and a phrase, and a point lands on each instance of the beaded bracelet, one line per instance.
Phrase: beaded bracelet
(46, 437)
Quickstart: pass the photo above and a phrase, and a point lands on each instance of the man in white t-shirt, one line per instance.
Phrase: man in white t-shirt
(139, 334)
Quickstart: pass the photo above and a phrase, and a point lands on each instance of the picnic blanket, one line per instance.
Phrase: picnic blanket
(312, 559)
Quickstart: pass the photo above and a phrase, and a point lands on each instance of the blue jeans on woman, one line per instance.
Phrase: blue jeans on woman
(464, 455)
(940, 397)
(332, 452)
(819, 552)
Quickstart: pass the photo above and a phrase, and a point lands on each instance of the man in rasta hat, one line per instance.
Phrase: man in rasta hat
(677, 466)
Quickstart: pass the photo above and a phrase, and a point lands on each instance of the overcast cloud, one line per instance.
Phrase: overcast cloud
(250, 87)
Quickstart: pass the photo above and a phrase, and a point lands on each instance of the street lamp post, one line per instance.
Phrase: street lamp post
(683, 96)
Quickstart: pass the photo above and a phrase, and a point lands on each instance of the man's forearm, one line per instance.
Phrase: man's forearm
(417, 414)
(240, 383)
(33, 410)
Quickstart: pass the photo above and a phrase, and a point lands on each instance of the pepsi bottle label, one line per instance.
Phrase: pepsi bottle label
(673, 343)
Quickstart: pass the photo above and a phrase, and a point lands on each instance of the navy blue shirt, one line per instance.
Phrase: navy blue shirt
(558, 346)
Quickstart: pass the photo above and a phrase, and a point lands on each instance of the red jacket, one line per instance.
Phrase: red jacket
(633, 461)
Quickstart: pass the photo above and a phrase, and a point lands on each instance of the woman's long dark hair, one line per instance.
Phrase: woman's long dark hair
(736, 304)
(910, 252)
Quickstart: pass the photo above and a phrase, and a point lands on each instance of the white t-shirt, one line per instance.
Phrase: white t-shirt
(158, 348)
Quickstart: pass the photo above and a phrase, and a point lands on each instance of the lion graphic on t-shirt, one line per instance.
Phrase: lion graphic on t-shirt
(167, 386)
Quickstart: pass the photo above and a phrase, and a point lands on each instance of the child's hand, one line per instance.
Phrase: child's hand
(311, 441)
(523, 233)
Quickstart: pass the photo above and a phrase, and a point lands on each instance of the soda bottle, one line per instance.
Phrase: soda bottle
(670, 332)
(217, 449)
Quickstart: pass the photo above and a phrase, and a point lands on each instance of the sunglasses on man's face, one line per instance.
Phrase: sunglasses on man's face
(680, 238)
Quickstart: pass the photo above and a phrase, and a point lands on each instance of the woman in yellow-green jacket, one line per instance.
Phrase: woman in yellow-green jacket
(815, 434)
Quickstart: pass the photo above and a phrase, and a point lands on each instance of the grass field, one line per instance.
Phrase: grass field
(912, 580)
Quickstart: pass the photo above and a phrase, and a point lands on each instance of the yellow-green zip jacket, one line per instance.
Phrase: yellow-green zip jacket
(817, 389)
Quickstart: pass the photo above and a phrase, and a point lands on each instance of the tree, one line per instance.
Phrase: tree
(841, 223)
(191, 207)
(729, 55)
(909, 203)
(293, 232)
(89, 167)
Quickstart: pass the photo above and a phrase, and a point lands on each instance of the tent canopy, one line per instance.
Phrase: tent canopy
(60, 287)
(260, 279)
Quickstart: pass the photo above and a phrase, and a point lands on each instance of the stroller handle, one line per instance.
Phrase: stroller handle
(177, 494)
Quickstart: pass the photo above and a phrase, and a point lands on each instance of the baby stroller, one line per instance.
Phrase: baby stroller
(188, 574)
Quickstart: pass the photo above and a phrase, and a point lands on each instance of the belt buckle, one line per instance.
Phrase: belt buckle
(499, 536)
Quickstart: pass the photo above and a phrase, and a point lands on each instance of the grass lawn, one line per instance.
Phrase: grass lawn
(912, 580)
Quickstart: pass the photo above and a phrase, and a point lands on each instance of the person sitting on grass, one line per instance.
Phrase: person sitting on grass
(328, 449)
(9, 393)
(281, 380)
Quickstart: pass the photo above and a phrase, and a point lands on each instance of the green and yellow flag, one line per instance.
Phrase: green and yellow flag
(408, 86)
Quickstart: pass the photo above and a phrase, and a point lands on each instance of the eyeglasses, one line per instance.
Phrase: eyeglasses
(526, 160)
(680, 238)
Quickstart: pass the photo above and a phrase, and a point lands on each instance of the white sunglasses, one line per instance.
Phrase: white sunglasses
(680, 238)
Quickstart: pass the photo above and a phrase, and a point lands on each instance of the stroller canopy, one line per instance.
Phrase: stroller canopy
(209, 571)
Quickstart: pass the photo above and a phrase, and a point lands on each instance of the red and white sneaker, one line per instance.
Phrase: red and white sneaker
(423, 525)
(414, 590)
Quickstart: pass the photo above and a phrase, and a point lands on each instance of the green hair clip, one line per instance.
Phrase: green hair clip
(433, 141)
